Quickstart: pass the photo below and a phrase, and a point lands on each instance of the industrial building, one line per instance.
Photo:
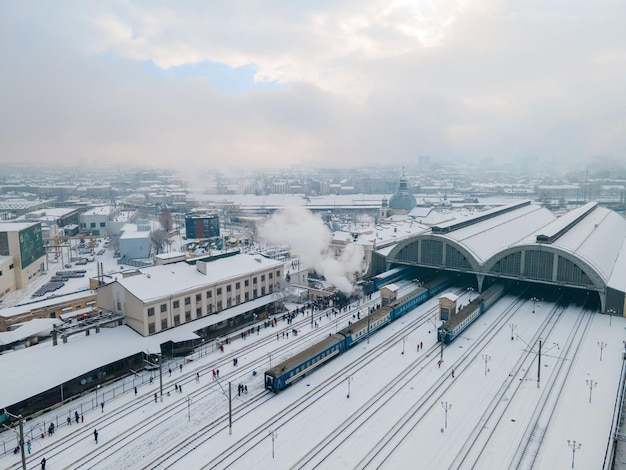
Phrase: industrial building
(202, 226)
(22, 255)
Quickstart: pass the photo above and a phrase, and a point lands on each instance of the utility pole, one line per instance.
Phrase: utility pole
(574, 446)
(486, 358)
(591, 384)
(230, 409)
(273, 435)
(538, 363)
(21, 435)
(446, 406)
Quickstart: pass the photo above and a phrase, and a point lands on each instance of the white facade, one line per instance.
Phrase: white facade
(162, 297)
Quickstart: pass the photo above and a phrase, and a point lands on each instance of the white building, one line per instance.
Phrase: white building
(135, 241)
(161, 297)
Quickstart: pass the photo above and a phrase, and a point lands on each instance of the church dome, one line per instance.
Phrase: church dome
(402, 200)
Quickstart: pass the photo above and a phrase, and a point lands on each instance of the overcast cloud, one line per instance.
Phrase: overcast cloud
(271, 83)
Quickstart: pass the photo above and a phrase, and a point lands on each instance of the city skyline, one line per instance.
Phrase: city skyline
(268, 85)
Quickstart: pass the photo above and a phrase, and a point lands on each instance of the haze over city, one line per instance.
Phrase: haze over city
(221, 84)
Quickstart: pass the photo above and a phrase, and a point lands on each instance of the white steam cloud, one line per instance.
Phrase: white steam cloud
(308, 237)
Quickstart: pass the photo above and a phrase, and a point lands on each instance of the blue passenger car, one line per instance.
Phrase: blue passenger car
(452, 328)
(296, 367)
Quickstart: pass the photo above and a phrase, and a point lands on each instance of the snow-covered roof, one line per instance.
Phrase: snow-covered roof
(450, 296)
(487, 237)
(15, 226)
(78, 356)
(157, 282)
(29, 307)
(34, 327)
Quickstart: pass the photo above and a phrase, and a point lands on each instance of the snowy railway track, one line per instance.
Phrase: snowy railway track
(484, 428)
(381, 451)
(230, 456)
(529, 448)
(56, 449)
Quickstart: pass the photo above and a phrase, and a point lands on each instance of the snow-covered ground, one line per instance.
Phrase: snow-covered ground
(403, 410)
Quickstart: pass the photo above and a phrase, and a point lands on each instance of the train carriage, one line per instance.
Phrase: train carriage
(452, 328)
(358, 331)
(296, 367)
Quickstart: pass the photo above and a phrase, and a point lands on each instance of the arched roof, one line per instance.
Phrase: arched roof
(586, 245)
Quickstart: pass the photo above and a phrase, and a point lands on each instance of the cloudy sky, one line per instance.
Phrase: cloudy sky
(277, 83)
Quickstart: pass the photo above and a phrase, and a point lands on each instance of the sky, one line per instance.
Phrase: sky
(280, 84)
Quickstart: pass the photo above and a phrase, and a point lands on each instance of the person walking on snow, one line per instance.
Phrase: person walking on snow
(95, 435)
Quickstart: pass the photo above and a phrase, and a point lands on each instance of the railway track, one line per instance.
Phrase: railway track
(145, 403)
(231, 455)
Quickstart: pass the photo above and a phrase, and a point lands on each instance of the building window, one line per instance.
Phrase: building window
(209, 309)
(238, 300)
(164, 324)
(262, 290)
(198, 298)
(278, 274)
(219, 305)
(92, 225)
(238, 285)
(163, 308)
(262, 277)
(11, 266)
(246, 283)
(198, 312)
(219, 291)
(151, 328)
(254, 280)
(0, 273)
(176, 304)
(254, 296)
(188, 316)
(209, 294)
(103, 224)
(151, 312)
(187, 300)
(176, 320)
(269, 276)
(228, 288)
(229, 302)
(271, 288)
(247, 296)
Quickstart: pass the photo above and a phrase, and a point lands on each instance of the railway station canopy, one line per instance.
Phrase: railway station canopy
(584, 248)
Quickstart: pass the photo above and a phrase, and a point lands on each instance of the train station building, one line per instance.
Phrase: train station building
(583, 249)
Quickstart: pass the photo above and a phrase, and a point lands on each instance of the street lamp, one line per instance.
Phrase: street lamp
(446, 406)
(21, 435)
(513, 326)
(158, 358)
(486, 358)
(273, 435)
(97, 387)
(349, 380)
(470, 290)
(403, 343)
(611, 312)
(534, 301)
(601, 345)
(591, 384)
(575, 446)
